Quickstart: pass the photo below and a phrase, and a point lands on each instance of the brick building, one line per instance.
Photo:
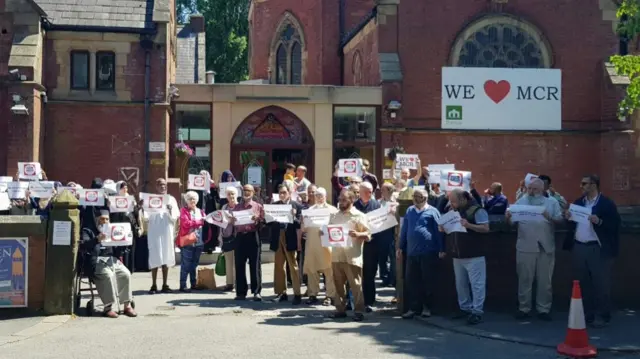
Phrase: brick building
(84, 85)
(402, 46)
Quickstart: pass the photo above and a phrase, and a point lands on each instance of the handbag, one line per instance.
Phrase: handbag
(229, 243)
(221, 265)
(186, 240)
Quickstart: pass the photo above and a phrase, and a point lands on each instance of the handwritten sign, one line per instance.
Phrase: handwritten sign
(218, 218)
(118, 234)
(316, 217)
(452, 179)
(336, 235)
(407, 161)
(198, 182)
(435, 171)
(579, 214)
(350, 167)
(450, 222)
(121, 204)
(381, 219)
(280, 213)
(529, 178)
(91, 197)
(17, 190)
(154, 203)
(41, 189)
(29, 170)
(526, 213)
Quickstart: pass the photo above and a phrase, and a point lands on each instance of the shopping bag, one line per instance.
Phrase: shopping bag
(221, 266)
(205, 278)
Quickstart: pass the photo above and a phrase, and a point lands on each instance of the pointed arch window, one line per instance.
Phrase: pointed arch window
(289, 49)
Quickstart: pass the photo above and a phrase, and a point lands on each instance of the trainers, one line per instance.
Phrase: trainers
(474, 319)
(409, 315)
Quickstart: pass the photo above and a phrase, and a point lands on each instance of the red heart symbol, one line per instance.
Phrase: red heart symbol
(497, 91)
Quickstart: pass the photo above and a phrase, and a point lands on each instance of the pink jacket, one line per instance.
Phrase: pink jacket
(187, 224)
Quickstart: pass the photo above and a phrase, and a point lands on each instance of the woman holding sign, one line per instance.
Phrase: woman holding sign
(190, 240)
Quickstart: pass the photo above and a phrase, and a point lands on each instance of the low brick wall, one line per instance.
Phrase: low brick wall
(34, 228)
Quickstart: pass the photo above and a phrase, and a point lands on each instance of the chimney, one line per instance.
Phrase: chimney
(211, 77)
(196, 22)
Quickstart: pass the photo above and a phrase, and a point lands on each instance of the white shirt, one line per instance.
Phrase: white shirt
(584, 231)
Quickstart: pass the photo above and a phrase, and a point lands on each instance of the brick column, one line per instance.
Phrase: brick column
(24, 133)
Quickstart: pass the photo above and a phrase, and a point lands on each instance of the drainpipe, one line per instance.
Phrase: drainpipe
(147, 45)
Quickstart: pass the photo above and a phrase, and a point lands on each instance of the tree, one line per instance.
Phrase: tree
(226, 28)
(628, 65)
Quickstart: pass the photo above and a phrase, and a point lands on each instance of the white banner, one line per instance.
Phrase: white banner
(91, 197)
(118, 234)
(316, 218)
(222, 186)
(218, 218)
(41, 189)
(17, 190)
(121, 204)
(336, 235)
(242, 217)
(29, 170)
(73, 190)
(6, 179)
(406, 161)
(350, 167)
(452, 179)
(198, 182)
(154, 202)
(475, 98)
(280, 213)
(526, 213)
(5, 202)
(579, 214)
(381, 219)
(450, 222)
(435, 171)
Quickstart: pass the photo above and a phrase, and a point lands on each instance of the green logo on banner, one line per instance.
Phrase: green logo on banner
(454, 112)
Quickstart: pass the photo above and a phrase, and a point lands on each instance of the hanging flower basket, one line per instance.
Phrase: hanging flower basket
(182, 150)
(395, 151)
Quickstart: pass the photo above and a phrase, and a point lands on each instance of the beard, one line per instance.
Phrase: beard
(536, 200)
(344, 207)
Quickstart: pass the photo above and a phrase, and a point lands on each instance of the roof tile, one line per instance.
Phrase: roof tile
(108, 13)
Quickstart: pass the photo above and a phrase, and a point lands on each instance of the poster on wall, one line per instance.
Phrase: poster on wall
(501, 99)
(14, 257)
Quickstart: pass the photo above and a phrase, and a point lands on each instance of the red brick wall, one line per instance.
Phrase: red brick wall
(355, 11)
(37, 259)
(368, 49)
(6, 38)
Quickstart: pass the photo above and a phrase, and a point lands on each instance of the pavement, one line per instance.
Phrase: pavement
(210, 324)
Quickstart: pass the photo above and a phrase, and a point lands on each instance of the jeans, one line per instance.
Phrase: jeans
(190, 260)
(471, 272)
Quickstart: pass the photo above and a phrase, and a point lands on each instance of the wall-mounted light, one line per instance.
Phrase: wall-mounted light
(393, 107)
(19, 110)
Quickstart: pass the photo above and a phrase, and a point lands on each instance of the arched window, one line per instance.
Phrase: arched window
(287, 52)
(501, 41)
(356, 69)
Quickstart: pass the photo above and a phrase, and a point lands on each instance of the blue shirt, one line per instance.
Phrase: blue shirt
(420, 234)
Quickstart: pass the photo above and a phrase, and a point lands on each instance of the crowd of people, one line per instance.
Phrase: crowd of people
(419, 241)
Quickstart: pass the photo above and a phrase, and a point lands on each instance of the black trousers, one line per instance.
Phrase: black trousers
(369, 269)
(422, 272)
(248, 248)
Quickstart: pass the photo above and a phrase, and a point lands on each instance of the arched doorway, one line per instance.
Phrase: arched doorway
(269, 138)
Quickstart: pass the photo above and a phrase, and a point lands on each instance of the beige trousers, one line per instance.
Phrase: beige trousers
(344, 273)
(111, 278)
(230, 267)
(282, 258)
(538, 266)
(313, 283)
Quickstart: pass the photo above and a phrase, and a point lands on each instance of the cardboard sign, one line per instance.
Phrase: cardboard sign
(529, 178)
(17, 190)
(218, 218)
(452, 179)
(29, 170)
(435, 171)
(351, 167)
(118, 234)
(154, 202)
(91, 197)
(121, 204)
(44, 189)
(198, 182)
(407, 161)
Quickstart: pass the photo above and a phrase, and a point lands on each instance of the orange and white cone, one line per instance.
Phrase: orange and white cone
(576, 344)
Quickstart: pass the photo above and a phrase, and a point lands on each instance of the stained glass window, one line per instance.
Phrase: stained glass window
(272, 125)
(288, 54)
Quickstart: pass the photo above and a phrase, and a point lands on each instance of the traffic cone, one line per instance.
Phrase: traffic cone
(576, 344)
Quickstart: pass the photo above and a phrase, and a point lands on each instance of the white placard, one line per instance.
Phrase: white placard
(381, 219)
(579, 214)
(61, 233)
(91, 197)
(501, 98)
(406, 161)
(198, 182)
(450, 222)
(17, 190)
(275, 197)
(452, 179)
(254, 176)
(5, 201)
(218, 218)
(435, 171)
(29, 170)
(154, 203)
(316, 218)
(526, 213)
(336, 235)
(280, 213)
(222, 186)
(157, 147)
(6, 179)
(242, 217)
(350, 167)
(41, 189)
(118, 234)
(121, 204)
(387, 174)
(529, 178)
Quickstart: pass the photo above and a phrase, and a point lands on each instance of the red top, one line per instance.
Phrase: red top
(187, 225)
